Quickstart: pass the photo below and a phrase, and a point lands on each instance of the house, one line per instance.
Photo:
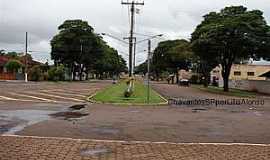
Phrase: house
(266, 75)
(250, 71)
(6, 75)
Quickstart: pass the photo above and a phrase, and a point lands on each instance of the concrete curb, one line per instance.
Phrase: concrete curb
(138, 142)
(165, 103)
(90, 99)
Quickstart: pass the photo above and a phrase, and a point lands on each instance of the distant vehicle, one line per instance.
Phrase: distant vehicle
(184, 82)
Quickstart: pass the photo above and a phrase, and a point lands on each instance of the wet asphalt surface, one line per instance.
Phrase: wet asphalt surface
(229, 124)
(23, 105)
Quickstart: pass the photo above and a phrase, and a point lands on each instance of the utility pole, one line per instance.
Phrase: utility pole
(134, 54)
(26, 61)
(133, 3)
(148, 70)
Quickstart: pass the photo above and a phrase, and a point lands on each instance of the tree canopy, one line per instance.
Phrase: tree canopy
(232, 34)
(172, 55)
(77, 47)
(13, 65)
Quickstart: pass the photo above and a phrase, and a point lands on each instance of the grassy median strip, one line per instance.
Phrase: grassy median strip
(115, 94)
(232, 92)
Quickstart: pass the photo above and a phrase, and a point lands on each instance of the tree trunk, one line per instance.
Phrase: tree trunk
(74, 74)
(177, 77)
(87, 74)
(226, 84)
(173, 79)
(226, 74)
(81, 71)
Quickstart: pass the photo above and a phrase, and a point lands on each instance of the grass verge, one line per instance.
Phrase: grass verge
(115, 95)
(232, 92)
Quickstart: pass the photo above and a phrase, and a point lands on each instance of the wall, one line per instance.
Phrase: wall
(244, 69)
(251, 85)
(7, 76)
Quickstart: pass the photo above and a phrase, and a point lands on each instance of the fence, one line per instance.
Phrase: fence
(7, 76)
(251, 85)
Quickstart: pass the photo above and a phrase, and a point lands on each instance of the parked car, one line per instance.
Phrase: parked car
(184, 82)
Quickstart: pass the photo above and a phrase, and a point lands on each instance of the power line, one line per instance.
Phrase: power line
(131, 38)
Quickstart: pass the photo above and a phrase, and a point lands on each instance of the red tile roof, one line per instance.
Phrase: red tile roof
(3, 60)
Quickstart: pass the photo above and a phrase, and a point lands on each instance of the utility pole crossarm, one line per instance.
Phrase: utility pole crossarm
(131, 38)
(135, 3)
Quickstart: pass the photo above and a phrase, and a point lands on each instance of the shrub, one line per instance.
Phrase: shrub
(195, 79)
(13, 65)
(35, 73)
(56, 73)
(128, 92)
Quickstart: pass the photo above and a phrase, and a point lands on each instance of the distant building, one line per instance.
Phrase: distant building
(266, 75)
(5, 75)
(250, 71)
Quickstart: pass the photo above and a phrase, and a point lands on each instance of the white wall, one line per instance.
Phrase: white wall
(251, 85)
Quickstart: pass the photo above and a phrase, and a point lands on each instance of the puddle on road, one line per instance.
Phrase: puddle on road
(195, 110)
(15, 121)
(12, 121)
(69, 115)
(77, 107)
(95, 152)
(5, 125)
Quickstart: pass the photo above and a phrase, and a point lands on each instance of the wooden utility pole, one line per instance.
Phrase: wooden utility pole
(133, 3)
(134, 54)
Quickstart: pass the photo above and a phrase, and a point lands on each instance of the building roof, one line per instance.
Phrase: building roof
(261, 62)
(267, 75)
(3, 60)
(30, 61)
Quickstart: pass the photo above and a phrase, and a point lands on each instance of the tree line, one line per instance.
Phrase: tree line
(82, 51)
(223, 38)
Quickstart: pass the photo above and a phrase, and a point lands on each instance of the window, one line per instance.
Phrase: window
(250, 73)
(237, 73)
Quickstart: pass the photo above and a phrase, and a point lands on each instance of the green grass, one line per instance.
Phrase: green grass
(232, 92)
(115, 94)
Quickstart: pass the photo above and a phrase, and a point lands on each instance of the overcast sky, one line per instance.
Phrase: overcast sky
(173, 18)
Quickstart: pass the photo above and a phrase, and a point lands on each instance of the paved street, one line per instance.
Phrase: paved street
(47, 92)
(28, 148)
(43, 110)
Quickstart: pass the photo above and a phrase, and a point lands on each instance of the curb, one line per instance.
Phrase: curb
(89, 99)
(138, 142)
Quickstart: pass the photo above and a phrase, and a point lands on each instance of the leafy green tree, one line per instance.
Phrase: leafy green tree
(172, 56)
(76, 46)
(13, 55)
(2, 52)
(56, 73)
(35, 73)
(233, 33)
(13, 65)
(142, 68)
(110, 63)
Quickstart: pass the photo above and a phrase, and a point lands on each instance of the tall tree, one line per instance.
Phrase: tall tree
(233, 33)
(110, 63)
(2, 52)
(172, 56)
(76, 46)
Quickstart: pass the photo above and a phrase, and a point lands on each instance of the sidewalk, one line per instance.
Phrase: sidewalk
(34, 148)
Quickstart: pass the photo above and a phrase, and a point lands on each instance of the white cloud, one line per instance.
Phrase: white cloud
(173, 18)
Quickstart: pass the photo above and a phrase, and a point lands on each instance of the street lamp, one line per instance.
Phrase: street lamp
(114, 37)
(150, 37)
(148, 62)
